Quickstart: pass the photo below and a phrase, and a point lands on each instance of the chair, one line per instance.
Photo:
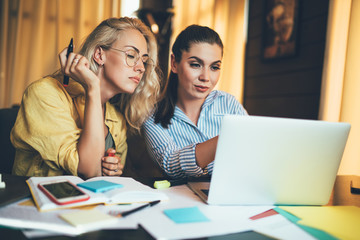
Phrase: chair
(7, 151)
(138, 162)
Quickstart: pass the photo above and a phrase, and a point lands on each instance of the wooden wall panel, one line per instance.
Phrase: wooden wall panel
(292, 83)
(286, 87)
(293, 106)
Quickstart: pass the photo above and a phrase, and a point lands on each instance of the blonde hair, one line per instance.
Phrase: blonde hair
(137, 106)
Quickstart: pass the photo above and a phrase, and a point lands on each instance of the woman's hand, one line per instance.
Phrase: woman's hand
(111, 164)
(77, 67)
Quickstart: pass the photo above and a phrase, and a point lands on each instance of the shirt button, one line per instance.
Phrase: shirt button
(115, 135)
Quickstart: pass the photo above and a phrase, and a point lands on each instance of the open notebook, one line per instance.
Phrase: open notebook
(268, 160)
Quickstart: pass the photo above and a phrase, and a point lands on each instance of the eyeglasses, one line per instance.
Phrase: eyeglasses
(132, 57)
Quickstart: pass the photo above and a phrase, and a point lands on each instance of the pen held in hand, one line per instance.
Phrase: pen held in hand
(126, 213)
(69, 50)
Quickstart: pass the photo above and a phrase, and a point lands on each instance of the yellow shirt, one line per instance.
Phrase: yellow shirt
(48, 128)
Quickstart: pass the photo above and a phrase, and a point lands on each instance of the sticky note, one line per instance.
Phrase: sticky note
(341, 222)
(82, 218)
(186, 215)
(100, 185)
(265, 214)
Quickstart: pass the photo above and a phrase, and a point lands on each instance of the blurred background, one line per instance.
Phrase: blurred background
(285, 58)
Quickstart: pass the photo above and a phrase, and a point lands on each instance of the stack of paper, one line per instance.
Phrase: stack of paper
(24, 215)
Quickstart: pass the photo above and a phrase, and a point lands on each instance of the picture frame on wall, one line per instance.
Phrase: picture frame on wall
(281, 27)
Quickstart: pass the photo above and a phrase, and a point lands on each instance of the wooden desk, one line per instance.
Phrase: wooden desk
(17, 187)
(342, 195)
(136, 234)
(16, 183)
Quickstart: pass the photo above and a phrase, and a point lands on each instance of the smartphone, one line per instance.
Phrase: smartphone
(63, 192)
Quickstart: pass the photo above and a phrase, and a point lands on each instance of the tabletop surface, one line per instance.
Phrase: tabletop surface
(17, 189)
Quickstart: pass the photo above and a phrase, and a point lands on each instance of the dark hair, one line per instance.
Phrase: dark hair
(192, 34)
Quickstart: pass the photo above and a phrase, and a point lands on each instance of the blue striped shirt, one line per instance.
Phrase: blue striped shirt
(174, 148)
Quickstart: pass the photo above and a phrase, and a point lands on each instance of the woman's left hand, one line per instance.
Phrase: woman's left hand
(77, 67)
(111, 165)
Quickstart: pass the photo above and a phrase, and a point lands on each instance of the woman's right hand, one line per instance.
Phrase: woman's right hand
(77, 67)
(111, 164)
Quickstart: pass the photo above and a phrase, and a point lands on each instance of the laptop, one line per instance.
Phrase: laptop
(274, 161)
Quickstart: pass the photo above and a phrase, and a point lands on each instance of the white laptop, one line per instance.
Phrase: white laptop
(274, 161)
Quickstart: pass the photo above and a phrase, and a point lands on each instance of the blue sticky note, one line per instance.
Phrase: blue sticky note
(100, 185)
(186, 215)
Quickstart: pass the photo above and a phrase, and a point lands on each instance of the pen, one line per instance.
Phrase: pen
(124, 214)
(69, 50)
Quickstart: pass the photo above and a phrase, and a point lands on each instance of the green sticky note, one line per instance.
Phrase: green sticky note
(317, 233)
(186, 215)
(100, 185)
(289, 216)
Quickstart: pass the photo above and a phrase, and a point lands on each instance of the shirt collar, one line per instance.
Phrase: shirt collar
(213, 95)
(211, 98)
(110, 112)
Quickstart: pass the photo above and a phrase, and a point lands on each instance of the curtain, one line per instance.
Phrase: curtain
(33, 32)
(229, 19)
(340, 97)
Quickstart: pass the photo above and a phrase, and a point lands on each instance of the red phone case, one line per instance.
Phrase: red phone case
(55, 200)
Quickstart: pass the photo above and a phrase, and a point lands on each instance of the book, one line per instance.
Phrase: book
(131, 192)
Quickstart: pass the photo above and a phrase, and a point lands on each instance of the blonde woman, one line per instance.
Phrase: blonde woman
(81, 129)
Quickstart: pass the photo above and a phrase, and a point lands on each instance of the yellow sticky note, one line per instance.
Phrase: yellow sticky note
(82, 218)
(339, 221)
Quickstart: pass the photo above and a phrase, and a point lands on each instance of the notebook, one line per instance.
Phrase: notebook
(274, 161)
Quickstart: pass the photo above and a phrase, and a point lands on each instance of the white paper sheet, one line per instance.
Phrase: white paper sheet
(279, 227)
(224, 219)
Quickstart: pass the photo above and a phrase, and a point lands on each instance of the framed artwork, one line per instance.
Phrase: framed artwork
(280, 32)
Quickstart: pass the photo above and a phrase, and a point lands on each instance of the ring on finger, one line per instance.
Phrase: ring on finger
(76, 60)
(116, 170)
